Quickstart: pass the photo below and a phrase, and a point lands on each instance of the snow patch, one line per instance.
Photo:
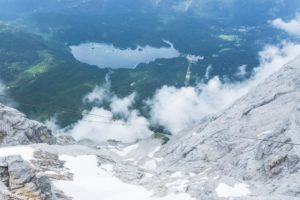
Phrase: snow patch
(176, 175)
(151, 154)
(150, 165)
(125, 151)
(25, 152)
(91, 182)
(179, 185)
(238, 190)
(108, 167)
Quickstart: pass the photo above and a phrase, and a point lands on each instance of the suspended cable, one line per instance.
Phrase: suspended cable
(64, 111)
(258, 139)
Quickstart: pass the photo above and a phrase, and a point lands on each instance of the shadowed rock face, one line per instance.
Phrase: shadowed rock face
(16, 129)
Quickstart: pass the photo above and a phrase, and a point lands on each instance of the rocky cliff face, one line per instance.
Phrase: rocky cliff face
(251, 150)
(256, 141)
(16, 129)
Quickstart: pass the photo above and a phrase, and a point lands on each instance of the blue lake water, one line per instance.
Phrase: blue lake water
(108, 56)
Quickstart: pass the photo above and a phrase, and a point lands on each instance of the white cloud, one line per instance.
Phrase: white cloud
(193, 59)
(4, 100)
(175, 108)
(292, 26)
(101, 125)
(242, 72)
(156, 2)
(178, 108)
(208, 71)
(122, 106)
(100, 94)
(53, 125)
(2, 88)
(183, 5)
(121, 122)
(200, 5)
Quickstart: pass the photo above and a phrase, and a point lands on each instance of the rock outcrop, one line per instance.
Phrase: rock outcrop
(16, 129)
(19, 180)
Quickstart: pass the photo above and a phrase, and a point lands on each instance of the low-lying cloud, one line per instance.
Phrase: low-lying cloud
(121, 122)
(178, 108)
(291, 26)
(130, 129)
(183, 6)
(3, 99)
(2, 88)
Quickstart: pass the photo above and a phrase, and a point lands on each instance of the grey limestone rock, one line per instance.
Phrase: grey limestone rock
(16, 129)
(20, 179)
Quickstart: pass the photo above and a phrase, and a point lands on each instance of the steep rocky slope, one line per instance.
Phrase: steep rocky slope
(255, 142)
